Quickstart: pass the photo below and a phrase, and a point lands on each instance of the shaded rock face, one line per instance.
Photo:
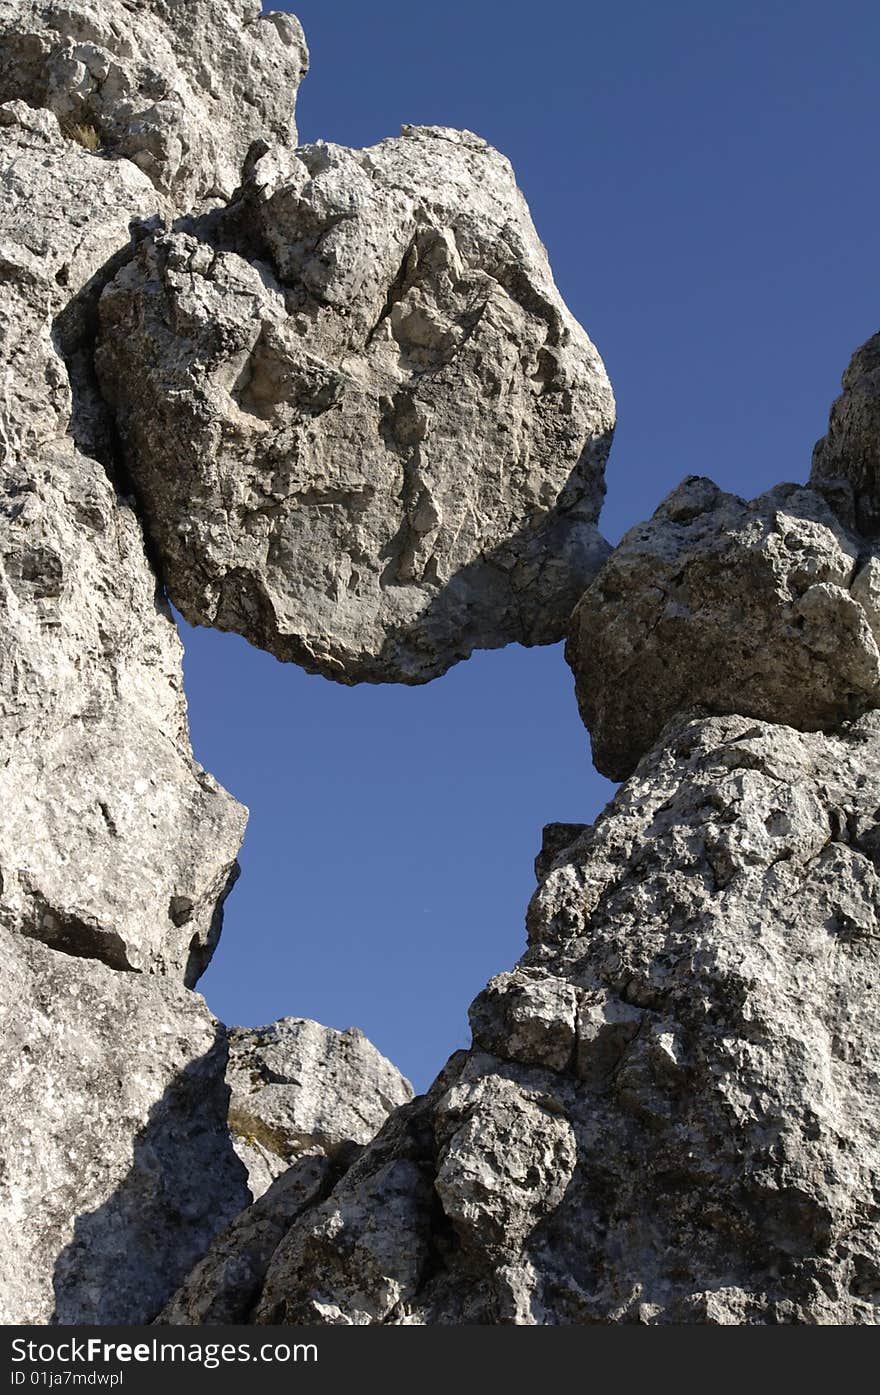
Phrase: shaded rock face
(365, 430)
(298, 1087)
(116, 849)
(179, 87)
(768, 608)
(669, 1113)
(846, 462)
(116, 1161)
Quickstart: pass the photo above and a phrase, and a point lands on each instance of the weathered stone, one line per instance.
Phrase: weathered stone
(114, 844)
(846, 461)
(718, 605)
(711, 1152)
(365, 430)
(180, 87)
(114, 1151)
(298, 1087)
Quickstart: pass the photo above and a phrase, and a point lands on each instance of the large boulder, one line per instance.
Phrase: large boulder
(180, 87)
(670, 1110)
(365, 431)
(768, 608)
(846, 461)
(298, 1087)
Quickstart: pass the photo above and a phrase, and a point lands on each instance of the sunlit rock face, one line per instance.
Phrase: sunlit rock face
(767, 608)
(669, 1110)
(365, 431)
(181, 88)
(298, 1088)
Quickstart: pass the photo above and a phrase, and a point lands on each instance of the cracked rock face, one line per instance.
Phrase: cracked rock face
(365, 430)
(116, 1161)
(768, 608)
(115, 844)
(298, 1087)
(179, 87)
(846, 462)
(669, 1113)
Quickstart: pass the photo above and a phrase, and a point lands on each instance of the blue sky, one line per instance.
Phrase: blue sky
(704, 178)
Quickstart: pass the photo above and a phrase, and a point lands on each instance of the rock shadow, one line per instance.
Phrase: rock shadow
(184, 1185)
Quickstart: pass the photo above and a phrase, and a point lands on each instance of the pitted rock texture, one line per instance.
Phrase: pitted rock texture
(180, 87)
(365, 431)
(298, 1087)
(115, 1156)
(114, 844)
(846, 462)
(670, 1110)
(768, 608)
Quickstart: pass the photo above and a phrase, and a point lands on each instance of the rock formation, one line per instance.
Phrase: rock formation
(298, 1087)
(769, 609)
(181, 88)
(669, 1110)
(362, 391)
(362, 428)
(846, 462)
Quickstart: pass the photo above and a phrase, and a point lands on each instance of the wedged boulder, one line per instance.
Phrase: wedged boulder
(766, 608)
(116, 1161)
(670, 1110)
(298, 1088)
(846, 461)
(179, 87)
(115, 844)
(365, 431)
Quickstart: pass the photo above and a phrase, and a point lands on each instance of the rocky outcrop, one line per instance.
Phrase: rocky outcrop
(116, 848)
(669, 1110)
(115, 844)
(361, 389)
(768, 609)
(180, 89)
(298, 1087)
(846, 462)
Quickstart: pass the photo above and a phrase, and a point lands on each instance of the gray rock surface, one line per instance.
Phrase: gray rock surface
(670, 1110)
(846, 461)
(365, 430)
(717, 605)
(114, 844)
(180, 87)
(116, 848)
(298, 1087)
(114, 1152)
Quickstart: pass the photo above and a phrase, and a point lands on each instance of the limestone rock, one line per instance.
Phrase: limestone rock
(114, 844)
(180, 87)
(116, 1161)
(718, 605)
(298, 1087)
(365, 431)
(846, 462)
(670, 1110)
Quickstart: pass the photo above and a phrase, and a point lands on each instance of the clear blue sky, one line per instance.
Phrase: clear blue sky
(705, 179)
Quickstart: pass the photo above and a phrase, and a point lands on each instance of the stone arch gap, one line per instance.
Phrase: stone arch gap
(387, 864)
